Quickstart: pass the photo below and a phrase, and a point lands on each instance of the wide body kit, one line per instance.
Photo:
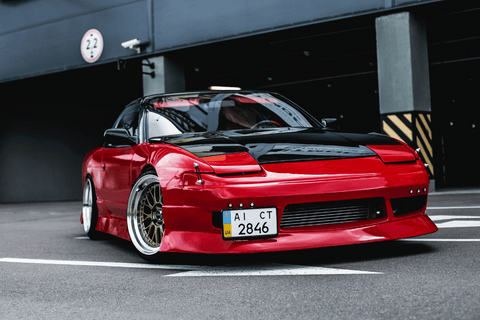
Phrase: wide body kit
(318, 203)
(271, 188)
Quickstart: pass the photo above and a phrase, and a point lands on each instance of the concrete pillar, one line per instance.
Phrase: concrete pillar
(403, 81)
(169, 75)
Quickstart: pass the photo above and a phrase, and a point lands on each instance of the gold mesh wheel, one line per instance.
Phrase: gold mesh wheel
(145, 215)
(150, 215)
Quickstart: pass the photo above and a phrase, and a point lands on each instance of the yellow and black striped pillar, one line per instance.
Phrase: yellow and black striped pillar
(413, 128)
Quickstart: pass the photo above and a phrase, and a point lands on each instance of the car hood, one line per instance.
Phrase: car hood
(241, 151)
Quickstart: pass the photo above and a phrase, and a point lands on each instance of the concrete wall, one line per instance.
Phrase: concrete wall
(403, 74)
(43, 36)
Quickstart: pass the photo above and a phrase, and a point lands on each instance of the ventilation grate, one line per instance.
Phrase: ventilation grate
(326, 213)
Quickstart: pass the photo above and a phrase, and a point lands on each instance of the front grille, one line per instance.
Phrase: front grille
(335, 212)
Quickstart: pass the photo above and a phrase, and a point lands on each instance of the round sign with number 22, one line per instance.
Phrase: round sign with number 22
(92, 45)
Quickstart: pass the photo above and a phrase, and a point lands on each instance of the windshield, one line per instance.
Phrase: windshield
(222, 111)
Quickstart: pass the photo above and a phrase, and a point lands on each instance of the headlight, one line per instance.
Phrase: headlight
(395, 153)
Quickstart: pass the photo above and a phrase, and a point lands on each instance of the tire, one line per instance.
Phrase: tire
(90, 210)
(145, 216)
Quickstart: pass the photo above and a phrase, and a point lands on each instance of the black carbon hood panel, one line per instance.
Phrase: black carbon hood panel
(280, 145)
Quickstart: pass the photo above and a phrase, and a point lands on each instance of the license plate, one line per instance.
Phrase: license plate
(249, 223)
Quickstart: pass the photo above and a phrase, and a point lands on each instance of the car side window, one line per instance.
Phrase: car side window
(128, 119)
(159, 125)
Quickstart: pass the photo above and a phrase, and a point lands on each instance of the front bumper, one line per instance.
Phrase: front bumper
(200, 242)
(189, 226)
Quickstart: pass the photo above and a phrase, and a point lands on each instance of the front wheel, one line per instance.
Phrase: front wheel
(145, 216)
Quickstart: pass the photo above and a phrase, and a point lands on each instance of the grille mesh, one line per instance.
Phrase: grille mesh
(323, 213)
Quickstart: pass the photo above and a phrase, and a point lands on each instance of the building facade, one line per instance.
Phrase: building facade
(406, 68)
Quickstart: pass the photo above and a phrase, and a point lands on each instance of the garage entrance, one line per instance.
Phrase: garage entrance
(329, 69)
(50, 122)
(454, 54)
(456, 101)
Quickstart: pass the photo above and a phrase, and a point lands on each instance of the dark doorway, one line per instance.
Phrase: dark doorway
(455, 102)
(50, 122)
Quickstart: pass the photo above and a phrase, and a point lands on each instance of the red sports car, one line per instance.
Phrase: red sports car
(247, 171)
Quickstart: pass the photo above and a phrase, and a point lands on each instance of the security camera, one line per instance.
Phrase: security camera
(130, 44)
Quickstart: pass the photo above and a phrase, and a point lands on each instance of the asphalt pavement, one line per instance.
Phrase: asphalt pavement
(50, 270)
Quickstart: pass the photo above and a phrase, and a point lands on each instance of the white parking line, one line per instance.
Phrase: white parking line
(260, 269)
(441, 217)
(455, 221)
(268, 269)
(100, 264)
(442, 193)
(459, 224)
(453, 207)
(440, 240)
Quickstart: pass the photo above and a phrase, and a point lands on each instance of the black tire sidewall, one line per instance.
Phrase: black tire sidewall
(93, 233)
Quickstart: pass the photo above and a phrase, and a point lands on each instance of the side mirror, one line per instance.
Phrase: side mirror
(115, 138)
(327, 122)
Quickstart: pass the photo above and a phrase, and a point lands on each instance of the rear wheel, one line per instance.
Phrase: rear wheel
(145, 216)
(90, 210)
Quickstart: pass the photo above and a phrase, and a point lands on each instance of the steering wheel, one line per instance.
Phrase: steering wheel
(265, 122)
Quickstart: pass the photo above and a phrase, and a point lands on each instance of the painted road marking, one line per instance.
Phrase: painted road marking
(441, 240)
(205, 271)
(450, 217)
(454, 207)
(442, 193)
(100, 264)
(459, 224)
(268, 269)
(456, 221)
